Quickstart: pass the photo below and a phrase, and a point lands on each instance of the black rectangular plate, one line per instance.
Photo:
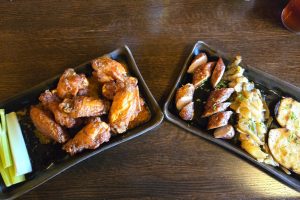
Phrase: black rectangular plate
(267, 81)
(65, 161)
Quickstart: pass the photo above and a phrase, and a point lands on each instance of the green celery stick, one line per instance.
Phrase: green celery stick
(15, 179)
(5, 175)
(5, 153)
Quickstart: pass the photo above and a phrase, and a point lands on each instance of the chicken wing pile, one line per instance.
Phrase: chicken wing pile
(105, 104)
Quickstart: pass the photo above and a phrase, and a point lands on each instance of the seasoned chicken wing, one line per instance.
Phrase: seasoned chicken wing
(93, 89)
(82, 106)
(51, 101)
(141, 118)
(109, 89)
(90, 137)
(44, 123)
(125, 106)
(107, 69)
(71, 83)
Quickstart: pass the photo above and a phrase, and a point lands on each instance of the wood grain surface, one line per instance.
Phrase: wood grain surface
(39, 39)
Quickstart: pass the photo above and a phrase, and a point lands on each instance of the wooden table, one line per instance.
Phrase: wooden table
(40, 39)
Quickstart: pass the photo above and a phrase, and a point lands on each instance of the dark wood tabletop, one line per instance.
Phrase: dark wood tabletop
(39, 39)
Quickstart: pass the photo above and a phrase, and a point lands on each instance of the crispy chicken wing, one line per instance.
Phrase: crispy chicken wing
(125, 107)
(90, 137)
(109, 90)
(51, 101)
(107, 69)
(70, 84)
(82, 106)
(141, 118)
(44, 123)
(93, 89)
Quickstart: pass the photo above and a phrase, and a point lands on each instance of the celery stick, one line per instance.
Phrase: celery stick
(5, 175)
(18, 149)
(8, 176)
(15, 179)
(5, 153)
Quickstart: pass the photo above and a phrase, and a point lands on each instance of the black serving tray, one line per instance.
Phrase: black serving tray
(53, 158)
(271, 87)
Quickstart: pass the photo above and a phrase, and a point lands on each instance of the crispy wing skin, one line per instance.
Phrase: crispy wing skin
(141, 118)
(217, 73)
(71, 83)
(109, 90)
(93, 89)
(90, 137)
(107, 69)
(51, 102)
(47, 126)
(218, 120)
(125, 107)
(82, 106)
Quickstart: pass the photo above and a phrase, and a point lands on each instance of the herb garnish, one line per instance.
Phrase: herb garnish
(292, 137)
(293, 116)
(214, 107)
(240, 97)
(252, 126)
(222, 84)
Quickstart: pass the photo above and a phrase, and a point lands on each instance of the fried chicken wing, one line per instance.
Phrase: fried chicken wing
(141, 118)
(90, 137)
(51, 102)
(44, 123)
(125, 107)
(82, 106)
(109, 90)
(107, 69)
(93, 89)
(71, 83)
